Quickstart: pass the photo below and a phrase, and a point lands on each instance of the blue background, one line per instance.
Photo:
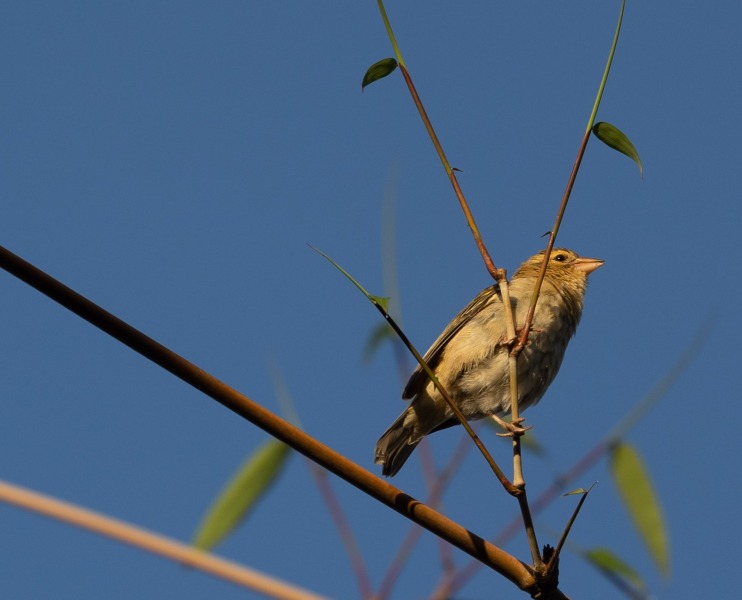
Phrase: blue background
(170, 161)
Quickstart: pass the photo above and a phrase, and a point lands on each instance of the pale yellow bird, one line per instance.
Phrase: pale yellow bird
(470, 358)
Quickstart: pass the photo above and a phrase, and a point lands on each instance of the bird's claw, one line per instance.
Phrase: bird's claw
(509, 343)
(512, 428)
(512, 342)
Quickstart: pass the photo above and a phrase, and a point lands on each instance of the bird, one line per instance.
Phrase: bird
(470, 357)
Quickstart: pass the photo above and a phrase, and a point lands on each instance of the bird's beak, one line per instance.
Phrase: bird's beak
(587, 265)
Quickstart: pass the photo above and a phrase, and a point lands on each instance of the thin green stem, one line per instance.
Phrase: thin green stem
(607, 70)
(390, 33)
(570, 184)
(550, 245)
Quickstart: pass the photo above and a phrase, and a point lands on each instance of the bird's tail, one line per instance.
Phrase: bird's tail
(397, 443)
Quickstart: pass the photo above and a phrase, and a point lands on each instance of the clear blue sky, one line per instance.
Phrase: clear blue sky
(170, 160)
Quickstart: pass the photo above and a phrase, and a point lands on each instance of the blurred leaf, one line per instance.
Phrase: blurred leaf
(378, 336)
(378, 70)
(532, 443)
(240, 495)
(283, 397)
(637, 493)
(612, 136)
(605, 560)
(576, 492)
(390, 276)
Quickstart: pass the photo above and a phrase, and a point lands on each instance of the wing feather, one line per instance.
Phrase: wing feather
(419, 379)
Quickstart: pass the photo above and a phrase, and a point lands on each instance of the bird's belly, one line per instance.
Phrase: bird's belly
(484, 389)
(537, 368)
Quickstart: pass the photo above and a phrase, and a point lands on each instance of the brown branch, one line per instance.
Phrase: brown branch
(496, 274)
(153, 542)
(502, 562)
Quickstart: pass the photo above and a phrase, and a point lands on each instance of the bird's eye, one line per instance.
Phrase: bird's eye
(560, 258)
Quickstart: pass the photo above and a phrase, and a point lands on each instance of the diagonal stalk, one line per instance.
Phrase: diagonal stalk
(498, 274)
(152, 542)
(489, 263)
(381, 306)
(499, 560)
(601, 448)
(570, 184)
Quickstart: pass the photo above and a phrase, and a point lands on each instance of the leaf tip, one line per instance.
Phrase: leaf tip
(614, 138)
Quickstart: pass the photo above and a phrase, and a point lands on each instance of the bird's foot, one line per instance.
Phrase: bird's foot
(510, 343)
(512, 428)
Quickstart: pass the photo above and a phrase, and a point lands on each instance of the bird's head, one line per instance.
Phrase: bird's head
(566, 275)
(564, 266)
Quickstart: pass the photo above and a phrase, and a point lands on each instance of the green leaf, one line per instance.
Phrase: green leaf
(637, 492)
(378, 336)
(378, 70)
(605, 560)
(344, 272)
(581, 491)
(532, 443)
(616, 139)
(240, 495)
(379, 301)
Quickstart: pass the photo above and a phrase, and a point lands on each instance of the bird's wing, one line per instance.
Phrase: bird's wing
(419, 378)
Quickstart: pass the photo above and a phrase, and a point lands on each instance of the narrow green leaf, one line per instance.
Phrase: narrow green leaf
(376, 300)
(612, 136)
(378, 70)
(607, 561)
(241, 493)
(582, 491)
(283, 396)
(637, 492)
(343, 271)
